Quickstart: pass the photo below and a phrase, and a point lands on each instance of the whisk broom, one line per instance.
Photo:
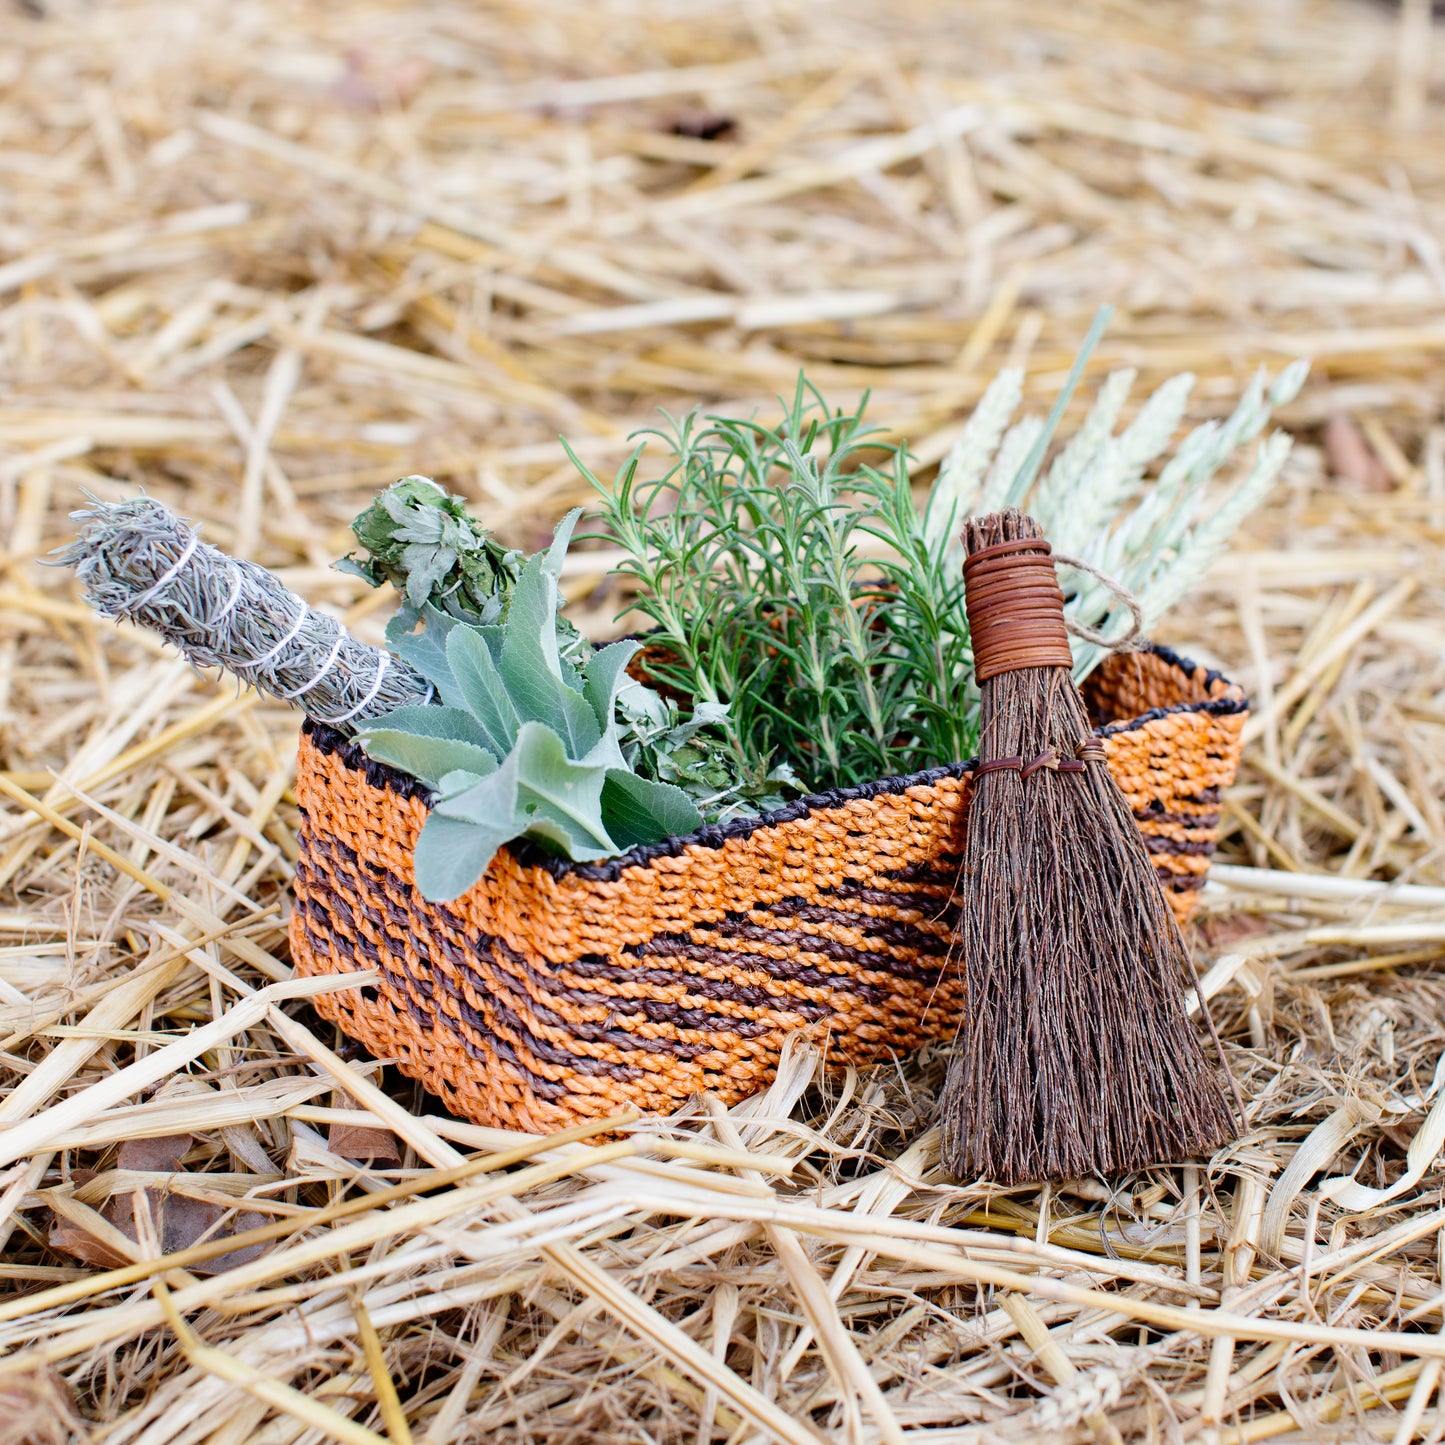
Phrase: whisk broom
(1076, 1057)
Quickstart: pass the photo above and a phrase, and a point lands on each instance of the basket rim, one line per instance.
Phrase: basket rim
(714, 835)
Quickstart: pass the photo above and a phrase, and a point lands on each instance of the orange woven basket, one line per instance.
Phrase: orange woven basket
(554, 992)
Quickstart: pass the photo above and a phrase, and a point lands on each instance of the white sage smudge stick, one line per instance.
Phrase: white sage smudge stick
(138, 560)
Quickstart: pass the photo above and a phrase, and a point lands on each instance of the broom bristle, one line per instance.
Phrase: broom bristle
(1077, 1056)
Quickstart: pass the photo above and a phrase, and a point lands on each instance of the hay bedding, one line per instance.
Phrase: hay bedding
(264, 257)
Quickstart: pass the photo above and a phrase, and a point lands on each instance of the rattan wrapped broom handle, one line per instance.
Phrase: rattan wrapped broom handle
(1015, 608)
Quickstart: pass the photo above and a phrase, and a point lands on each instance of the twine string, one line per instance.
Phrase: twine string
(166, 578)
(238, 585)
(1084, 633)
(258, 663)
(383, 661)
(326, 667)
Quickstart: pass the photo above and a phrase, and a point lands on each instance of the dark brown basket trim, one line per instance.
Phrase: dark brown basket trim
(389, 888)
(1157, 813)
(1177, 882)
(1209, 677)
(899, 931)
(1221, 707)
(327, 740)
(1211, 707)
(1179, 847)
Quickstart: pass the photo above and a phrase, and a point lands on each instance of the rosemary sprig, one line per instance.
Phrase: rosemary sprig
(753, 562)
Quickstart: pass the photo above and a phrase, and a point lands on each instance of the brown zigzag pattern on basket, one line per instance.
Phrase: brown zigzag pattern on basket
(693, 1000)
(553, 992)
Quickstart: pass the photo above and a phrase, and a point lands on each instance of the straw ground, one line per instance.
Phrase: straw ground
(264, 257)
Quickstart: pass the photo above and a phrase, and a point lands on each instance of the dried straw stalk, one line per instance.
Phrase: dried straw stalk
(263, 258)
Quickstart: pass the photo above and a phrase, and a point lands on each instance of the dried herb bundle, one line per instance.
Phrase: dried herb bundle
(138, 560)
(420, 538)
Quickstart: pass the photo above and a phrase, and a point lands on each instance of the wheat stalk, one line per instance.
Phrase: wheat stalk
(1157, 539)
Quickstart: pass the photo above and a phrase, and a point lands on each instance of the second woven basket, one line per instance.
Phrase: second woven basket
(555, 992)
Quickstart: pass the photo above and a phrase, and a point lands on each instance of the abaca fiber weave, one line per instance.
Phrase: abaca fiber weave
(555, 992)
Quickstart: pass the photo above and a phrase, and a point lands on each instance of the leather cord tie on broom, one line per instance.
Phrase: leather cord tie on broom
(1015, 608)
(1076, 1057)
(1089, 750)
(1016, 620)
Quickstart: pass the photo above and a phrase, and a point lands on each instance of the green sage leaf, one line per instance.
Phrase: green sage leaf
(453, 723)
(426, 649)
(531, 668)
(451, 855)
(482, 688)
(607, 676)
(638, 811)
(427, 758)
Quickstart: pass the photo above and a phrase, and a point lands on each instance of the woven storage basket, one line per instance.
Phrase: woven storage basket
(553, 992)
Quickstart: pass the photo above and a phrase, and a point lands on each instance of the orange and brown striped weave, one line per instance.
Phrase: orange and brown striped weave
(554, 992)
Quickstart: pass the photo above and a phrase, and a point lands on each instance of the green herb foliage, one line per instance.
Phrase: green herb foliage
(526, 743)
(787, 573)
(790, 572)
(694, 754)
(419, 538)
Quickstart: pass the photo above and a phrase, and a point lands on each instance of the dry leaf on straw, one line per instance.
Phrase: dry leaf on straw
(1350, 456)
(377, 1147)
(176, 1220)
